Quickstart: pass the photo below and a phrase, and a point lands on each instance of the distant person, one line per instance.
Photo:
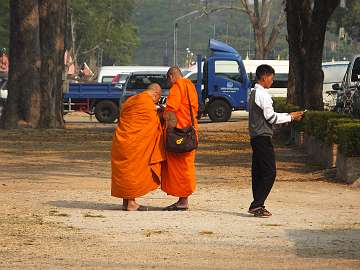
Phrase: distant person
(69, 64)
(85, 72)
(137, 149)
(4, 64)
(178, 172)
(261, 120)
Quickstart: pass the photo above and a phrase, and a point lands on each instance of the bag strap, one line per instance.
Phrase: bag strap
(191, 114)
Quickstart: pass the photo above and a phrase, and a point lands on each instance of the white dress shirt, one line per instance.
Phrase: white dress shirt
(265, 102)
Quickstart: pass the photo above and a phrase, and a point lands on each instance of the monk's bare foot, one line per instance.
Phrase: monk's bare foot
(132, 205)
(125, 204)
(183, 202)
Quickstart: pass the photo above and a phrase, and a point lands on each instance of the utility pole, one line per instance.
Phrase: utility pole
(176, 26)
(190, 35)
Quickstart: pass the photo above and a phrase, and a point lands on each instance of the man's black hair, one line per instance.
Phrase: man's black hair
(264, 70)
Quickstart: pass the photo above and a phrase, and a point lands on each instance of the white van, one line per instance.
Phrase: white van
(107, 73)
(281, 67)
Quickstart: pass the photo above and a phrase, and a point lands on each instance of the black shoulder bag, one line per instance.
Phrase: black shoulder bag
(182, 140)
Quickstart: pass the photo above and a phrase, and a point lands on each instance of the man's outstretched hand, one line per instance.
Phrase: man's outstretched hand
(296, 116)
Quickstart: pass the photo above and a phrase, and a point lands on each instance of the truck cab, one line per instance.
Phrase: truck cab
(222, 84)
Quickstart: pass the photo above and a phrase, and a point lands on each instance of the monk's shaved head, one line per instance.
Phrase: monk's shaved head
(174, 71)
(155, 87)
(154, 91)
(174, 74)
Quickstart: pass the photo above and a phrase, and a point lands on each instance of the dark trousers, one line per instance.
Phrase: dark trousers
(263, 169)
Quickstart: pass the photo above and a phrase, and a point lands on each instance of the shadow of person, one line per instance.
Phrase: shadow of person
(238, 214)
(95, 205)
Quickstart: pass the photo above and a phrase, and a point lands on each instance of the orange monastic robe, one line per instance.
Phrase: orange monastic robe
(137, 149)
(178, 172)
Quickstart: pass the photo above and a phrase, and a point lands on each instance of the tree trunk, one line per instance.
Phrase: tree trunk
(296, 60)
(37, 30)
(23, 104)
(74, 51)
(260, 21)
(52, 29)
(306, 36)
(313, 75)
(260, 43)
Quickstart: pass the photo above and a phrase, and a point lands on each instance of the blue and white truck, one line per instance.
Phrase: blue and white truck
(223, 83)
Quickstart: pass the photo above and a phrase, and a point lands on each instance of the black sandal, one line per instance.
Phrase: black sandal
(174, 207)
(261, 212)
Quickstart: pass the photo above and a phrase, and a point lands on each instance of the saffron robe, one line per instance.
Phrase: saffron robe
(178, 172)
(137, 149)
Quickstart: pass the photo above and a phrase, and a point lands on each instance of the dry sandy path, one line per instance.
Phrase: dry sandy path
(56, 211)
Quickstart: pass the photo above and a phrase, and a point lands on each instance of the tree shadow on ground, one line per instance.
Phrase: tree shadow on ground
(41, 172)
(229, 160)
(205, 121)
(300, 161)
(95, 205)
(327, 243)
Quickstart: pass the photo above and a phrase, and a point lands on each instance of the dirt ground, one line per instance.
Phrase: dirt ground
(57, 212)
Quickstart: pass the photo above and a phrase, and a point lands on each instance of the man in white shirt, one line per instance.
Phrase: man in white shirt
(261, 120)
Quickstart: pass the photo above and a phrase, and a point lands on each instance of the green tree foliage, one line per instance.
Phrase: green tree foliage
(4, 23)
(347, 17)
(104, 26)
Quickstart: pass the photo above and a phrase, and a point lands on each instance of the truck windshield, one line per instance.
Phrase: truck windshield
(334, 73)
(228, 69)
(141, 82)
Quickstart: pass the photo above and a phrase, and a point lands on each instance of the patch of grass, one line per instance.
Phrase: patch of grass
(57, 214)
(148, 233)
(271, 225)
(63, 215)
(29, 243)
(93, 215)
(206, 233)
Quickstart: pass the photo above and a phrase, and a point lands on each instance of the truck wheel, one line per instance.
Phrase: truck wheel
(106, 111)
(219, 111)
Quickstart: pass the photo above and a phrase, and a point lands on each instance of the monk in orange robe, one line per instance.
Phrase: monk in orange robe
(137, 149)
(178, 172)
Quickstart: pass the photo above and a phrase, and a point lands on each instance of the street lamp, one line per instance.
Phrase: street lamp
(176, 25)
